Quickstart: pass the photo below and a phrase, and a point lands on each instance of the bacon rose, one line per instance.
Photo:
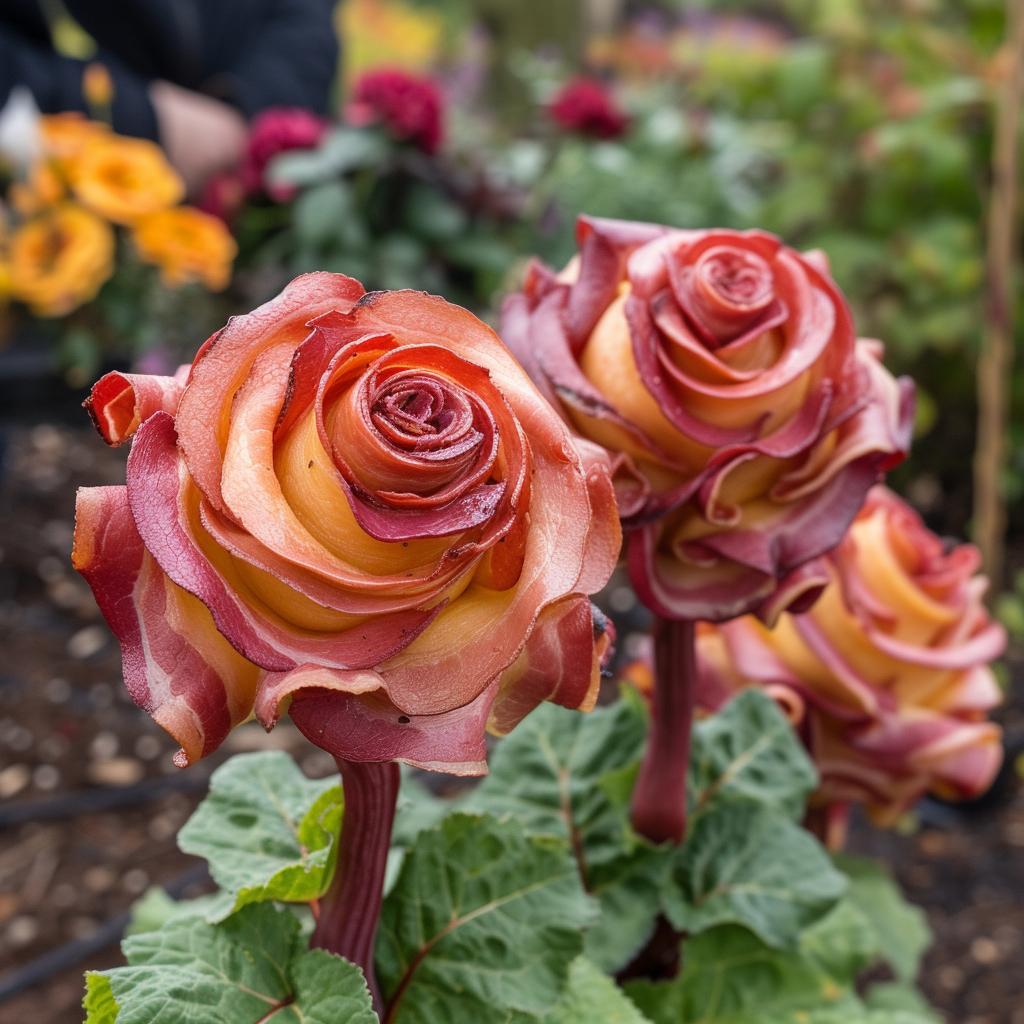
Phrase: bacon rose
(357, 504)
(745, 421)
(887, 677)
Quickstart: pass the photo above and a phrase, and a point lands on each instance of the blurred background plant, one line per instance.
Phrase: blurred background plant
(468, 134)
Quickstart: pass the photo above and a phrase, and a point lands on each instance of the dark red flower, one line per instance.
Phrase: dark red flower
(277, 130)
(584, 105)
(223, 196)
(410, 108)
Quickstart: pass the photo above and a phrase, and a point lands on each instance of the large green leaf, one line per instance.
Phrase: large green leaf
(268, 832)
(746, 863)
(629, 891)
(571, 775)
(901, 928)
(591, 997)
(481, 925)
(251, 969)
(749, 749)
(550, 772)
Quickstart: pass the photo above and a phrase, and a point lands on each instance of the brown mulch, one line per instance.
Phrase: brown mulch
(66, 724)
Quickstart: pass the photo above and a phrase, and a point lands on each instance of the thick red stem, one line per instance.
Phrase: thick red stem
(659, 799)
(349, 910)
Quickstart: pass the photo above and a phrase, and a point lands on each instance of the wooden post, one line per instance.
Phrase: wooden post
(996, 358)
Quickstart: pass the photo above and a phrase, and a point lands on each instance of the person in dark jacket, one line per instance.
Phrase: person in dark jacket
(186, 73)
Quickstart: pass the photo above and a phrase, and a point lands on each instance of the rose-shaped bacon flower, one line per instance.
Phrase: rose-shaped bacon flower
(887, 677)
(722, 372)
(358, 504)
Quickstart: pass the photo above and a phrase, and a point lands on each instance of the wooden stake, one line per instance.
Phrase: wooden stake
(996, 357)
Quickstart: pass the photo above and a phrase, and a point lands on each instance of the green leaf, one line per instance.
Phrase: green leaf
(901, 928)
(550, 774)
(250, 969)
(482, 924)
(743, 862)
(591, 997)
(99, 1004)
(749, 749)
(319, 211)
(267, 831)
(156, 908)
(629, 891)
(571, 775)
(892, 995)
(841, 944)
(729, 976)
(343, 150)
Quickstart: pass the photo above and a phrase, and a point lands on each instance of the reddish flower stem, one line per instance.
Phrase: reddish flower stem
(659, 799)
(350, 908)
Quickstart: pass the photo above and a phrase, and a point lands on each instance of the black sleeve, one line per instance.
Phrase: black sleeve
(251, 53)
(56, 83)
(289, 57)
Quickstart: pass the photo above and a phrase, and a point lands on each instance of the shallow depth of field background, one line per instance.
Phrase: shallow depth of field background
(859, 126)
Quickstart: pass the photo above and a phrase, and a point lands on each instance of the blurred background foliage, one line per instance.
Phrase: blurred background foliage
(862, 127)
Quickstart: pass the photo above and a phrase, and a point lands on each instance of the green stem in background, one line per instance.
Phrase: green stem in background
(659, 799)
(996, 357)
(350, 908)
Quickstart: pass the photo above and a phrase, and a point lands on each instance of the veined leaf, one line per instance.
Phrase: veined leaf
(99, 1004)
(745, 863)
(481, 925)
(268, 832)
(549, 775)
(250, 969)
(900, 927)
(591, 997)
(749, 750)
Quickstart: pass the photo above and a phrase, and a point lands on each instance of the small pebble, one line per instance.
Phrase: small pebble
(99, 878)
(57, 691)
(87, 642)
(161, 828)
(984, 950)
(22, 930)
(46, 777)
(622, 600)
(116, 771)
(951, 978)
(14, 779)
(53, 748)
(135, 881)
(104, 746)
(81, 927)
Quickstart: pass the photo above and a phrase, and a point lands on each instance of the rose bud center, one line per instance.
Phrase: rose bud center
(726, 292)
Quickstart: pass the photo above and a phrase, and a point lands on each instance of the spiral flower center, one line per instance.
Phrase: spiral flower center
(736, 277)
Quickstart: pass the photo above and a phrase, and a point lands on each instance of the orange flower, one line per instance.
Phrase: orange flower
(125, 179)
(886, 678)
(65, 136)
(44, 188)
(60, 259)
(187, 245)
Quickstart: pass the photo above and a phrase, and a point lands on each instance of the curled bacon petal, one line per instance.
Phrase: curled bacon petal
(120, 402)
(177, 666)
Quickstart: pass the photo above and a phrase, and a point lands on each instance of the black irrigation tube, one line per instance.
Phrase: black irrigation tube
(71, 953)
(103, 798)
